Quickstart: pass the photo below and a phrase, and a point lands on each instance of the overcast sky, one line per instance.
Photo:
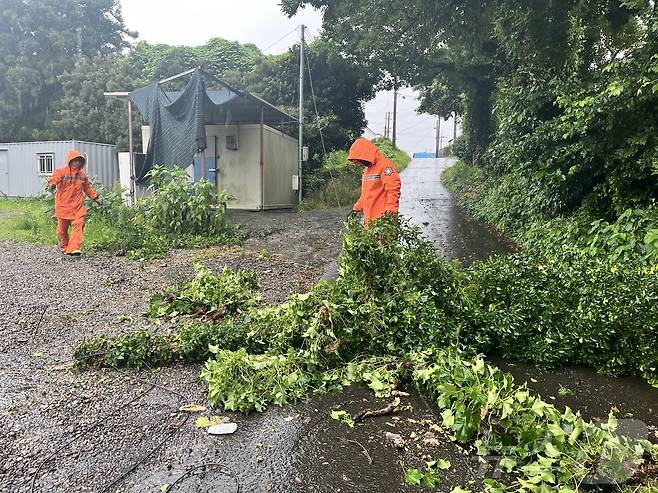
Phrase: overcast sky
(261, 22)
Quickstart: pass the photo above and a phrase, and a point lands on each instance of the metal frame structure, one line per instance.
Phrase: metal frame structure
(244, 94)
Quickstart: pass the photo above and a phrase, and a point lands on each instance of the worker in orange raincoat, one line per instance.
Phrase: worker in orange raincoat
(380, 184)
(71, 184)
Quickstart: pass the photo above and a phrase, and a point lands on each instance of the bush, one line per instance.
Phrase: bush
(177, 214)
(180, 207)
(582, 293)
(336, 183)
(398, 156)
(573, 311)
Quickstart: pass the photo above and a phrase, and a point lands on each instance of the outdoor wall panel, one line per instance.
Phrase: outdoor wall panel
(238, 171)
(280, 166)
(102, 162)
(4, 172)
(24, 179)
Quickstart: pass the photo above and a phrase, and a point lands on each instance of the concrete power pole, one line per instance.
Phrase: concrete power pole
(395, 113)
(301, 111)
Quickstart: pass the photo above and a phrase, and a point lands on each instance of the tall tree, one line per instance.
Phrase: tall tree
(561, 91)
(417, 42)
(340, 87)
(39, 41)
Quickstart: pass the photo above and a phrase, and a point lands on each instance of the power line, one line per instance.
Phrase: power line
(279, 40)
(317, 115)
(424, 120)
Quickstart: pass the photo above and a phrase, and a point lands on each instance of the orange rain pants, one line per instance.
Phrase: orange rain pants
(74, 241)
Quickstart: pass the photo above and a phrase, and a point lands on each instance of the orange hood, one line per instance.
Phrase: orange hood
(363, 150)
(74, 154)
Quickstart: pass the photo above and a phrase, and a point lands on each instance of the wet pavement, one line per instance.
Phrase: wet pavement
(427, 203)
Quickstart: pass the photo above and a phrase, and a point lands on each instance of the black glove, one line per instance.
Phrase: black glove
(353, 214)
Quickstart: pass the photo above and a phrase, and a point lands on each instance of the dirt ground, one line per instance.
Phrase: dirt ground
(121, 431)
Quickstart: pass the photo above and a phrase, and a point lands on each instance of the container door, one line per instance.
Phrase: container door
(211, 170)
(211, 162)
(4, 172)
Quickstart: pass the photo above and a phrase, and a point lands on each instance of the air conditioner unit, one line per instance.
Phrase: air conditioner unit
(295, 182)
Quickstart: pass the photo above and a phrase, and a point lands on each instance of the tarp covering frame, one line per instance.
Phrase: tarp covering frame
(177, 119)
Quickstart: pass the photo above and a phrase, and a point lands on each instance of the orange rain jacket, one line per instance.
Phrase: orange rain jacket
(72, 185)
(380, 184)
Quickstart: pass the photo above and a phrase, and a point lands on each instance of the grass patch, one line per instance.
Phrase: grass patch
(177, 214)
(29, 220)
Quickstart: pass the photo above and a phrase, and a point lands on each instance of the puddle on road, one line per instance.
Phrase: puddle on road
(426, 202)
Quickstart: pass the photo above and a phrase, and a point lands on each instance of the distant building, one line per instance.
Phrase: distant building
(26, 166)
(424, 155)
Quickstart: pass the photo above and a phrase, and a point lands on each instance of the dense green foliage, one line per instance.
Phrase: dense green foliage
(505, 202)
(207, 294)
(38, 43)
(338, 181)
(584, 291)
(176, 214)
(546, 449)
(563, 94)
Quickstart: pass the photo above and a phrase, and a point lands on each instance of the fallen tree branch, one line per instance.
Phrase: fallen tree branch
(365, 451)
(366, 413)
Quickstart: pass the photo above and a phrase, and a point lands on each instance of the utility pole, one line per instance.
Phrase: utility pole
(454, 128)
(395, 111)
(387, 125)
(301, 110)
(438, 136)
(131, 157)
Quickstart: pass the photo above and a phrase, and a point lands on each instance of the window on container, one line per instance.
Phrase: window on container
(232, 142)
(46, 163)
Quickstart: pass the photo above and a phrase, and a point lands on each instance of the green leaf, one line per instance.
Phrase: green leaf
(414, 476)
(343, 416)
(538, 407)
(507, 463)
(551, 451)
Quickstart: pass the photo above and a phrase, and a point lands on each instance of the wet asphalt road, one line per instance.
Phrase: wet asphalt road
(426, 202)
